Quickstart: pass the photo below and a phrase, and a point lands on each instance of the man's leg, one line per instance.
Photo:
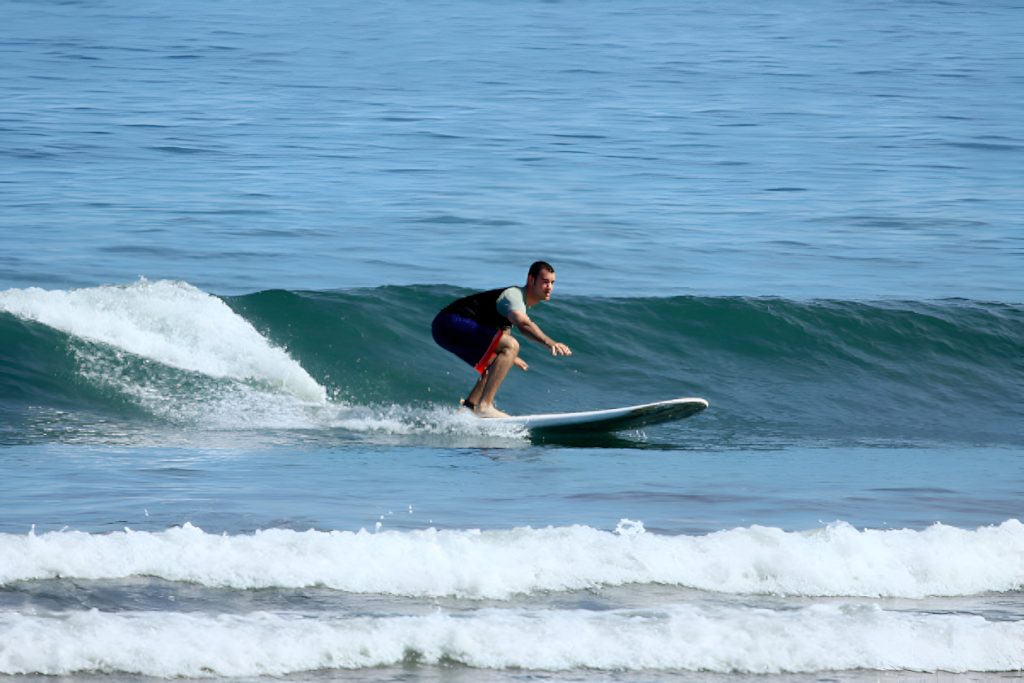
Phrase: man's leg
(482, 396)
(474, 396)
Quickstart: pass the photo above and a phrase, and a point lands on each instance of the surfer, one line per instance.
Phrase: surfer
(477, 329)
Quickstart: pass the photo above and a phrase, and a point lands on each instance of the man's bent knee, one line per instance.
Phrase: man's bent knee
(508, 344)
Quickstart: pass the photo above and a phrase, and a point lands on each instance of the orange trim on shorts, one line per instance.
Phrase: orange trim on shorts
(489, 355)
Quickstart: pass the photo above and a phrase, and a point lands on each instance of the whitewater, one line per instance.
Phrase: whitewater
(682, 638)
(170, 322)
(555, 599)
(837, 560)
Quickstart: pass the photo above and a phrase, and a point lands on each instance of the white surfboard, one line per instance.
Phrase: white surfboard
(611, 419)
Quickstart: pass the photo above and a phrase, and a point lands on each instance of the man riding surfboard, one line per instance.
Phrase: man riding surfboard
(477, 329)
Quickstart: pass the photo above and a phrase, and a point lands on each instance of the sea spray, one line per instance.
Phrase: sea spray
(171, 323)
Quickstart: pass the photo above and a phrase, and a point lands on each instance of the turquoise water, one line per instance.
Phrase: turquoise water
(229, 448)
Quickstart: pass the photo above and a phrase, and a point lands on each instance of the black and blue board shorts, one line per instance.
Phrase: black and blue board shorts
(469, 340)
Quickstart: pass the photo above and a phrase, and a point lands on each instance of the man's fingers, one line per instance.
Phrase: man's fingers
(558, 349)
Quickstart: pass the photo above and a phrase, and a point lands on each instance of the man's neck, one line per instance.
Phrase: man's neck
(529, 298)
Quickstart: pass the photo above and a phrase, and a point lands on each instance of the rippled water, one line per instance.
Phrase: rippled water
(248, 464)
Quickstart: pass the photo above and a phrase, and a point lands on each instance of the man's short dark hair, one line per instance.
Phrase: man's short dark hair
(538, 266)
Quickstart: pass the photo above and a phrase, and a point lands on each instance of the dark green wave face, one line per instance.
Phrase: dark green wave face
(774, 370)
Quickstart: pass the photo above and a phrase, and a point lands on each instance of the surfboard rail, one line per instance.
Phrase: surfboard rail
(610, 419)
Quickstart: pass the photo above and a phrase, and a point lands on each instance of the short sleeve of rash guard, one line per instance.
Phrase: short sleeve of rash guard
(511, 300)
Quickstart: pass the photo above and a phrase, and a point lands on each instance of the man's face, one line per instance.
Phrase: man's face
(542, 285)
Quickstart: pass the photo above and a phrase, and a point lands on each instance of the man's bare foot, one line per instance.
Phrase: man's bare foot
(488, 410)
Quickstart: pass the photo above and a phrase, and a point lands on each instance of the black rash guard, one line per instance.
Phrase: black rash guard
(482, 308)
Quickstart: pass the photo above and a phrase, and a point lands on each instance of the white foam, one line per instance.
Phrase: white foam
(401, 420)
(172, 323)
(138, 332)
(834, 561)
(676, 637)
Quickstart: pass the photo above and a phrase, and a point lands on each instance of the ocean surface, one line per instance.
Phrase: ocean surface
(230, 450)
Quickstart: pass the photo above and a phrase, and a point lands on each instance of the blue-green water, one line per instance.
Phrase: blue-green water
(230, 449)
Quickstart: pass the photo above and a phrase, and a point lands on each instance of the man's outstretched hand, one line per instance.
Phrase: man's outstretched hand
(560, 349)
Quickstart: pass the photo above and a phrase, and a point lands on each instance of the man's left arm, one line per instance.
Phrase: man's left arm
(533, 331)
